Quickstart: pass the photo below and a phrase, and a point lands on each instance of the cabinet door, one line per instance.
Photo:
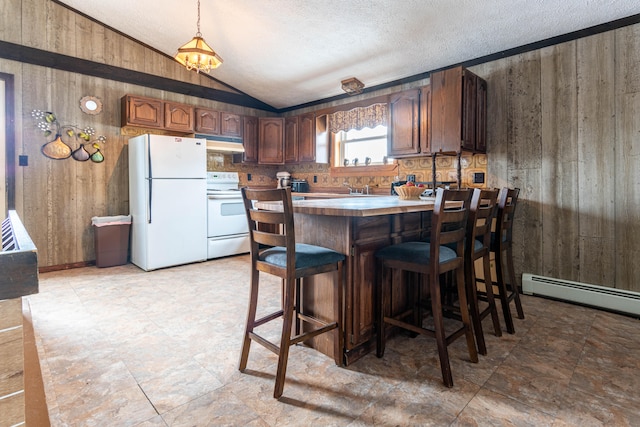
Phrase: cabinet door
(138, 111)
(361, 297)
(469, 97)
(307, 138)
(291, 140)
(425, 120)
(207, 121)
(404, 131)
(230, 125)
(250, 140)
(446, 110)
(481, 116)
(271, 141)
(178, 117)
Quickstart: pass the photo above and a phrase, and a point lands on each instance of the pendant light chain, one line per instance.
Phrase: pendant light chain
(199, 34)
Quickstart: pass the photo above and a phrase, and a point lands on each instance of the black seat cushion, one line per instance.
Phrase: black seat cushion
(417, 252)
(306, 256)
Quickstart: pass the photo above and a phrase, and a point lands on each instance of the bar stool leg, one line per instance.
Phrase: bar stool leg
(438, 323)
(486, 263)
(251, 319)
(472, 292)
(504, 294)
(285, 339)
(514, 286)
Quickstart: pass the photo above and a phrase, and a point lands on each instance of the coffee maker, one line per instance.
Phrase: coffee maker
(284, 179)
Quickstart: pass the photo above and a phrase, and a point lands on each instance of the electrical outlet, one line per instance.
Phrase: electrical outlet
(315, 179)
(478, 177)
(411, 178)
(23, 160)
(248, 177)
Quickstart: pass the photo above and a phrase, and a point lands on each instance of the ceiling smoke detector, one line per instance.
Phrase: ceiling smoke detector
(352, 86)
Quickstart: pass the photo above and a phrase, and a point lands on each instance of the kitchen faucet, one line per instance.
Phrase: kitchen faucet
(352, 190)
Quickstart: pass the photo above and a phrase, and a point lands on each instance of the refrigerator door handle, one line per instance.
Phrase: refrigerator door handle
(150, 196)
(150, 182)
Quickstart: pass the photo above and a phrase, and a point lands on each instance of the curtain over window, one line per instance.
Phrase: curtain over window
(358, 118)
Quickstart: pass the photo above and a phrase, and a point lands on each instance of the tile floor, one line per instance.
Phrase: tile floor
(123, 347)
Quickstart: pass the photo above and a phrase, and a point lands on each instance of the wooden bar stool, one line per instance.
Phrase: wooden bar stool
(430, 259)
(478, 244)
(501, 246)
(274, 251)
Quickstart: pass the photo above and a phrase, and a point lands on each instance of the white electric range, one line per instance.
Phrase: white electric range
(227, 229)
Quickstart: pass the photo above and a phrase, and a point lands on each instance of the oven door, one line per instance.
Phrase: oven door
(225, 216)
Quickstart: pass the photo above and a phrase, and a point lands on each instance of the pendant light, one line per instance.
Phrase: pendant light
(197, 54)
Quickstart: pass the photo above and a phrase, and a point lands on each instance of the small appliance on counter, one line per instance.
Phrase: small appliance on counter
(284, 179)
(396, 184)
(299, 186)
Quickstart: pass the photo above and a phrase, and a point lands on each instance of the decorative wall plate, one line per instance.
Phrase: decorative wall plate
(91, 105)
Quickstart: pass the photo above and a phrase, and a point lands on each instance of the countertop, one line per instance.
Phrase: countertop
(356, 206)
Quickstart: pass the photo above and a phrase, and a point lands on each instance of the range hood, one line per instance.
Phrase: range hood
(223, 144)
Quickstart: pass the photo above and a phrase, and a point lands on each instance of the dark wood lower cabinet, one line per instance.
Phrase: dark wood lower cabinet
(359, 238)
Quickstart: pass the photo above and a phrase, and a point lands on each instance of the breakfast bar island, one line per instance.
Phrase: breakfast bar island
(356, 226)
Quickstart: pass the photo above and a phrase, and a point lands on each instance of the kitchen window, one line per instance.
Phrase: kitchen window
(360, 133)
(361, 147)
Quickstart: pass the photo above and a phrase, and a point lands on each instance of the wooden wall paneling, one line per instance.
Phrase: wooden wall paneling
(33, 12)
(627, 193)
(130, 55)
(627, 152)
(9, 25)
(89, 39)
(60, 30)
(33, 194)
(560, 214)
(113, 47)
(63, 180)
(496, 75)
(116, 164)
(523, 111)
(91, 178)
(627, 41)
(596, 158)
(524, 156)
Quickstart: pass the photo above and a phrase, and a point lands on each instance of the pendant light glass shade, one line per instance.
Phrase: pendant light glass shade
(197, 54)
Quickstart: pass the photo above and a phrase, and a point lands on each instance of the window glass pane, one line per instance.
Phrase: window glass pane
(364, 143)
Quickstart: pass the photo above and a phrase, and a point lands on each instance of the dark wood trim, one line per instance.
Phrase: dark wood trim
(67, 63)
(10, 139)
(49, 268)
(120, 33)
(597, 29)
(29, 55)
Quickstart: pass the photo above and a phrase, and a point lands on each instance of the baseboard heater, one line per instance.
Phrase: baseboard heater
(617, 300)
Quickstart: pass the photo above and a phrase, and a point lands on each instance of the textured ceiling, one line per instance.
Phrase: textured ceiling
(289, 52)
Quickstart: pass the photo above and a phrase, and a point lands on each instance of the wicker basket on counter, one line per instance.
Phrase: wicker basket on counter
(409, 193)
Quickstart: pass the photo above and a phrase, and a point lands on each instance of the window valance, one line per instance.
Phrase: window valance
(358, 118)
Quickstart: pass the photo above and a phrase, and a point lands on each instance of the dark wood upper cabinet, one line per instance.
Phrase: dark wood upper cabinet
(141, 111)
(291, 139)
(230, 125)
(481, 116)
(404, 137)
(271, 141)
(207, 121)
(307, 137)
(250, 139)
(456, 95)
(178, 117)
(425, 119)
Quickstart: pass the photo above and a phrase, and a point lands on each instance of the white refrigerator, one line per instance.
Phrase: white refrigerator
(168, 200)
